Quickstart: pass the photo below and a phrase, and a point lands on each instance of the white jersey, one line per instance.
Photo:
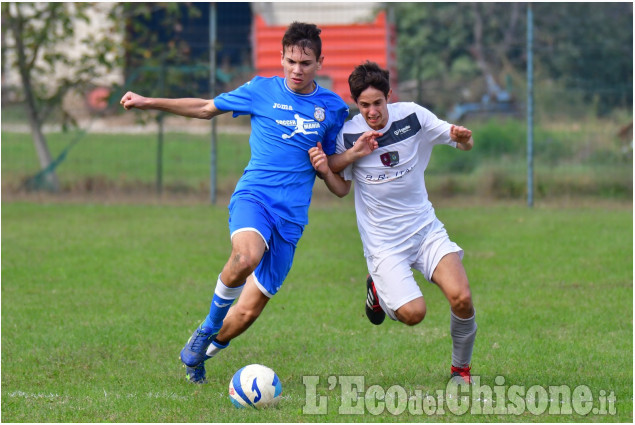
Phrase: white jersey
(391, 200)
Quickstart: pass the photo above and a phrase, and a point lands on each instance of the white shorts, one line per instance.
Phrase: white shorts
(392, 269)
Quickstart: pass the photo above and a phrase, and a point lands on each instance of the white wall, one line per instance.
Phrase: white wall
(284, 13)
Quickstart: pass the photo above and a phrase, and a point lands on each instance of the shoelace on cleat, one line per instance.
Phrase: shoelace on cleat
(200, 340)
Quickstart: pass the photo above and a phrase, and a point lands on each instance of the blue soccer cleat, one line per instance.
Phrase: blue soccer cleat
(196, 375)
(194, 352)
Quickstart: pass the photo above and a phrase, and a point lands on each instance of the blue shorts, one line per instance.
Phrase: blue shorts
(280, 236)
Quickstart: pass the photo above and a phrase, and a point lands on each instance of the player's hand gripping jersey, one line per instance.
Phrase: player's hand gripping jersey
(284, 126)
(391, 200)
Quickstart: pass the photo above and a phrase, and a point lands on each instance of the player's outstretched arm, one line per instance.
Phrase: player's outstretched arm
(333, 181)
(187, 107)
(364, 145)
(462, 136)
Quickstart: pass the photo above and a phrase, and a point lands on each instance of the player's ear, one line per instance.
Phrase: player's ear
(319, 62)
(281, 57)
(388, 96)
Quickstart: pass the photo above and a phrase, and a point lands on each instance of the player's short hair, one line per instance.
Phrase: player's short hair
(366, 75)
(305, 36)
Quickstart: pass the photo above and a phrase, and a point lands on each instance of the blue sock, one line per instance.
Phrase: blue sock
(223, 298)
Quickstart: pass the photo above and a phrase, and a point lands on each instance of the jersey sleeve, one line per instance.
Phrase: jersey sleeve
(346, 173)
(239, 101)
(339, 144)
(330, 137)
(437, 130)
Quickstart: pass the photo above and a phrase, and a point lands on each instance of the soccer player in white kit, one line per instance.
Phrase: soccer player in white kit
(385, 149)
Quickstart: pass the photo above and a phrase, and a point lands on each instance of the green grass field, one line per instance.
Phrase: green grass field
(127, 159)
(98, 300)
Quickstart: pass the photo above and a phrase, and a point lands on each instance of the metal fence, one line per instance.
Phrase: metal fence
(579, 150)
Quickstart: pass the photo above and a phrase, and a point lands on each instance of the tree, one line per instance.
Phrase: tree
(453, 43)
(586, 48)
(432, 43)
(158, 57)
(40, 40)
(496, 32)
(589, 48)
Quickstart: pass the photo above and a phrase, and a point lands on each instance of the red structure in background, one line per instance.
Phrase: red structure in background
(343, 46)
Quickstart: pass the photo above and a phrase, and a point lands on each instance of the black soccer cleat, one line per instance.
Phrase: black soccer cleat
(374, 311)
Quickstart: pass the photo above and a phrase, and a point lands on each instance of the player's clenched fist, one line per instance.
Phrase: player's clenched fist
(460, 134)
(318, 159)
(132, 100)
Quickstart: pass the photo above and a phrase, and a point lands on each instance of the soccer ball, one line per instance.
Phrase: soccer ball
(255, 385)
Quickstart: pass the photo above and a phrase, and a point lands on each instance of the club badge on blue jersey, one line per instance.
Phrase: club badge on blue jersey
(390, 159)
(319, 114)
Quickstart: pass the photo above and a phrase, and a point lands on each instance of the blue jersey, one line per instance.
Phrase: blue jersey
(284, 126)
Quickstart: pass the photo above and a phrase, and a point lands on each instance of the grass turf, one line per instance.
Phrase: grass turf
(97, 301)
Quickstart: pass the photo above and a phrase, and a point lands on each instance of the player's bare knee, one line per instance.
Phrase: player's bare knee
(411, 315)
(416, 318)
(462, 304)
(243, 263)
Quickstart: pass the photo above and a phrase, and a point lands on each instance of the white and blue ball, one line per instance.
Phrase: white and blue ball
(255, 385)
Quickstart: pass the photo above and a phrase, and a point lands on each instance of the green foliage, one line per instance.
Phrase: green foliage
(585, 48)
(431, 38)
(579, 159)
(158, 59)
(437, 45)
(128, 160)
(36, 42)
(498, 139)
(589, 47)
(572, 160)
(502, 141)
(97, 301)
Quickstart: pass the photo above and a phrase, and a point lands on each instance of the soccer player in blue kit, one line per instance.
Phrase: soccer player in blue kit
(269, 207)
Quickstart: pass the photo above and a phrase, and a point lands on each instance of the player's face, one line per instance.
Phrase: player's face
(373, 106)
(300, 66)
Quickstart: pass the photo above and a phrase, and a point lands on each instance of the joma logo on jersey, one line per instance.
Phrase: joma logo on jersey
(402, 130)
(281, 106)
(390, 159)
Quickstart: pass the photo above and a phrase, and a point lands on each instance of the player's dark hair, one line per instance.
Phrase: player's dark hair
(366, 75)
(305, 36)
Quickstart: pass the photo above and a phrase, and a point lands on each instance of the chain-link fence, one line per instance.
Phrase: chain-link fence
(583, 129)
